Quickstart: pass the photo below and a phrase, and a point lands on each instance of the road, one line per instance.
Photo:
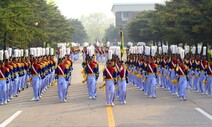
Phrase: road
(140, 111)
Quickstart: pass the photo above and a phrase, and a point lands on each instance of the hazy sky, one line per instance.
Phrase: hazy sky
(76, 8)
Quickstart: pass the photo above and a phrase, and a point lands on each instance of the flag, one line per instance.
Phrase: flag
(122, 42)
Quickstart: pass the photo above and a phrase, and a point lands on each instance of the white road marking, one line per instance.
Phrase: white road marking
(10, 119)
(204, 113)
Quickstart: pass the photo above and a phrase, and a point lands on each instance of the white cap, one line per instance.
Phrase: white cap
(117, 50)
(85, 44)
(140, 49)
(26, 52)
(187, 49)
(193, 50)
(47, 51)
(199, 48)
(108, 44)
(118, 43)
(160, 50)
(204, 51)
(165, 49)
(131, 50)
(43, 51)
(153, 50)
(10, 52)
(6, 54)
(90, 51)
(1, 55)
(68, 50)
(182, 53)
(51, 51)
(110, 54)
(173, 49)
(22, 53)
(147, 50)
(73, 44)
(97, 44)
(38, 52)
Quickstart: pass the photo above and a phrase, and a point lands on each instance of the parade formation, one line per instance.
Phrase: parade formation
(173, 68)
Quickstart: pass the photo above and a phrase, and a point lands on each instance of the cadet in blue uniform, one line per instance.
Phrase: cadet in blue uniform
(91, 72)
(4, 80)
(36, 77)
(61, 75)
(122, 81)
(110, 74)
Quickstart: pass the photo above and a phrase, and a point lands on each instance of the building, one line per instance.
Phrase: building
(126, 12)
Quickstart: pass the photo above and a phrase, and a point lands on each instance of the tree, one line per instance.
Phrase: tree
(112, 34)
(26, 23)
(79, 34)
(178, 21)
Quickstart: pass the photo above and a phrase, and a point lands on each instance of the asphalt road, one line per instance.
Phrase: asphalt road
(164, 111)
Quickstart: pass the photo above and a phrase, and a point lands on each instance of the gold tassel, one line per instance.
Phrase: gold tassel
(30, 79)
(174, 81)
(102, 86)
(144, 80)
(139, 75)
(204, 81)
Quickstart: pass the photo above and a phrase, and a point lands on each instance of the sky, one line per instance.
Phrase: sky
(76, 8)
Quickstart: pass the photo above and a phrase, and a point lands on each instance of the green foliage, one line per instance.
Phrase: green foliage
(26, 23)
(79, 35)
(112, 34)
(178, 21)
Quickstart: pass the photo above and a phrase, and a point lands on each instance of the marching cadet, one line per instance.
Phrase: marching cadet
(73, 51)
(23, 70)
(146, 61)
(70, 63)
(16, 71)
(172, 65)
(181, 70)
(115, 59)
(159, 69)
(84, 50)
(91, 70)
(140, 68)
(191, 67)
(106, 50)
(4, 79)
(27, 66)
(9, 92)
(102, 53)
(61, 72)
(36, 74)
(209, 77)
(151, 69)
(53, 65)
(203, 66)
(109, 76)
(122, 81)
(164, 67)
(141, 73)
